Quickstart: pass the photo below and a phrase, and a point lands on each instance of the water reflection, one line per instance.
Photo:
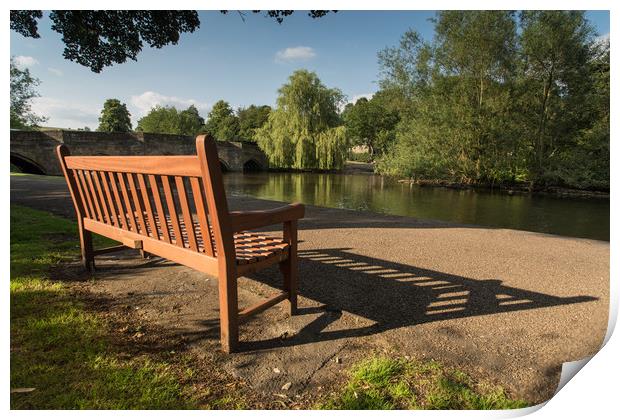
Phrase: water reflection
(563, 216)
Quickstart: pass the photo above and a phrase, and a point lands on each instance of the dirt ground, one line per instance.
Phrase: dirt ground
(505, 305)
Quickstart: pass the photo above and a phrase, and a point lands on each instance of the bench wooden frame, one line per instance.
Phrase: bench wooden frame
(144, 203)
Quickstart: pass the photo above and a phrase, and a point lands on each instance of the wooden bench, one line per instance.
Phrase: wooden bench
(175, 207)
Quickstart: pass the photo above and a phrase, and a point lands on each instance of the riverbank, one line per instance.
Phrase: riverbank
(523, 188)
(504, 305)
(355, 168)
(350, 167)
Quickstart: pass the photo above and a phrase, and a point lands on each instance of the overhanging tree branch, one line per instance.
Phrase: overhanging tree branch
(100, 38)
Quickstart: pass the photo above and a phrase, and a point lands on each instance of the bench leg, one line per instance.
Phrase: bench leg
(86, 243)
(289, 267)
(229, 314)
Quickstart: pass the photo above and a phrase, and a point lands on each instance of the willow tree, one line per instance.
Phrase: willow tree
(303, 131)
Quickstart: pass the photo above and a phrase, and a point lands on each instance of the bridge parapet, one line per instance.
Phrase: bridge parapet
(33, 151)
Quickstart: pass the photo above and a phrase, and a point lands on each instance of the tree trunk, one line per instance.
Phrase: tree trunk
(480, 130)
(540, 146)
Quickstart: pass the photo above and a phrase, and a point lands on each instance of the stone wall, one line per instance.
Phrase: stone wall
(36, 149)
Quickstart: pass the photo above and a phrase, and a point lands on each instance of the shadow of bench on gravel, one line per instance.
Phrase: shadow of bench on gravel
(388, 294)
(393, 295)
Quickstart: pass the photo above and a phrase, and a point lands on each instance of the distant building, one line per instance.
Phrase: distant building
(360, 149)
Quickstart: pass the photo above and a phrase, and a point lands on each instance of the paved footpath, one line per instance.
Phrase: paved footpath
(506, 305)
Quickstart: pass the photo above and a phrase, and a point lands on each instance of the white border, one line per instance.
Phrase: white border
(592, 393)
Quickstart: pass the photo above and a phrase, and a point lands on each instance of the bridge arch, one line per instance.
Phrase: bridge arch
(252, 165)
(224, 165)
(26, 165)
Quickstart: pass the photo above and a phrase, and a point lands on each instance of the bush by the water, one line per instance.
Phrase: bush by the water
(498, 97)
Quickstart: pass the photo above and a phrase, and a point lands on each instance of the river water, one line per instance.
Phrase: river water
(584, 218)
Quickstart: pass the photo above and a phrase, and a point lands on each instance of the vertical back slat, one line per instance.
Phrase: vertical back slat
(147, 203)
(137, 204)
(205, 229)
(89, 201)
(111, 202)
(119, 203)
(102, 199)
(187, 214)
(93, 195)
(160, 210)
(78, 184)
(131, 219)
(173, 212)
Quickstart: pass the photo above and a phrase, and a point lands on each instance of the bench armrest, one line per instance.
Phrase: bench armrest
(246, 220)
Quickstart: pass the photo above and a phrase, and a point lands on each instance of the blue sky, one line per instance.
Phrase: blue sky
(226, 58)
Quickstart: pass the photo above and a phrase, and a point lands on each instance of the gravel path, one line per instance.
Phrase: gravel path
(506, 305)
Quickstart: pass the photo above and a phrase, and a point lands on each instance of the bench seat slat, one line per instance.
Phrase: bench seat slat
(201, 210)
(147, 204)
(250, 247)
(172, 211)
(102, 200)
(78, 183)
(128, 209)
(153, 165)
(93, 194)
(187, 215)
(110, 199)
(201, 262)
(158, 205)
(117, 199)
(137, 204)
(89, 201)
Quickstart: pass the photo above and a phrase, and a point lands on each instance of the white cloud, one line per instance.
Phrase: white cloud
(295, 54)
(147, 100)
(66, 114)
(602, 39)
(354, 99)
(602, 44)
(55, 71)
(23, 61)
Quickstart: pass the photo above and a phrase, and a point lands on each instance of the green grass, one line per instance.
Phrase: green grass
(381, 383)
(45, 177)
(57, 346)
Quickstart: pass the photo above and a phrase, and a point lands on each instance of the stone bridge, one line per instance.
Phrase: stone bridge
(34, 151)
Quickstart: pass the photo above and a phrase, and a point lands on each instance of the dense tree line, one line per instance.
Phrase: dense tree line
(371, 123)
(222, 122)
(169, 120)
(500, 97)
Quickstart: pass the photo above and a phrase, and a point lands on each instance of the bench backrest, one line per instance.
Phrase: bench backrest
(179, 200)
